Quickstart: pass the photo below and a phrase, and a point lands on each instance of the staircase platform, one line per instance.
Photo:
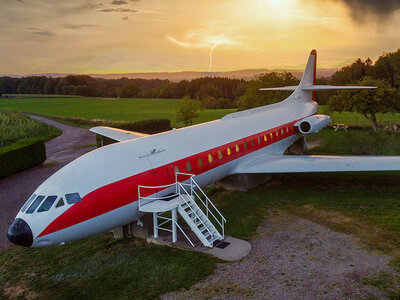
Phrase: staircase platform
(236, 250)
(162, 205)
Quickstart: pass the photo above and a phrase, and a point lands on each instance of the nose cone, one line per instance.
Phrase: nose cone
(20, 233)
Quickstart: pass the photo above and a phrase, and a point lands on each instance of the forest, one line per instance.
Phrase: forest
(213, 92)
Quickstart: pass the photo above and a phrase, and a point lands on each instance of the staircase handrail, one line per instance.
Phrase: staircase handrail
(206, 227)
(216, 209)
(154, 187)
(208, 210)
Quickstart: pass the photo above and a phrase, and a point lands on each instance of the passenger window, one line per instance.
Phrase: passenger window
(28, 202)
(245, 146)
(287, 129)
(176, 169)
(60, 203)
(259, 140)
(73, 198)
(188, 166)
(252, 142)
(210, 158)
(47, 204)
(277, 133)
(282, 132)
(219, 154)
(35, 204)
(200, 162)
(228, 151)
(265, 138)
(237, 148)
(271, 135)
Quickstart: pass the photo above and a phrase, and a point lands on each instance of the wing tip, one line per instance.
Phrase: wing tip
(313, 52)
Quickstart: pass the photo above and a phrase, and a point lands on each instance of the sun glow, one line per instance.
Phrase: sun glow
(276, 3)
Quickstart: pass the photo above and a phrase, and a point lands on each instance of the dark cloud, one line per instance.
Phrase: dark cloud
(41, 32)
(119, 2)
(125, 18)
(123, 10)
(78, 26)
(361, 10)
(20, 1)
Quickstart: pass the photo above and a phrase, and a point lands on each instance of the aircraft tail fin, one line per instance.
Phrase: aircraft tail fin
(307, 83)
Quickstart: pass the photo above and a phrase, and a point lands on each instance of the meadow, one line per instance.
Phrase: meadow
(14, 126)
(130, 110)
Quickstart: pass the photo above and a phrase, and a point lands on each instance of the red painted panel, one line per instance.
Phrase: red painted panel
(125, 191)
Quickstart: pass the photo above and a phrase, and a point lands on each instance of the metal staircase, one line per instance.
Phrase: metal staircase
(190, 201)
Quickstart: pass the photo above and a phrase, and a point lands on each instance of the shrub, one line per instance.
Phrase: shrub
(147, 126)
(21, 155)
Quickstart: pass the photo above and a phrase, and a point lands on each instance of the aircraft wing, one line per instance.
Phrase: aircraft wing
(305, 163)
(117, 134)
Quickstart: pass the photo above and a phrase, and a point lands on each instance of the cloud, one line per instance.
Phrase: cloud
(41, 32)
(78, 26)
(119, 2)
(201, 40)
(125, 18)
(123, 10)
(360, 10)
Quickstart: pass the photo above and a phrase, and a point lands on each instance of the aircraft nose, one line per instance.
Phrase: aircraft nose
(20, 233)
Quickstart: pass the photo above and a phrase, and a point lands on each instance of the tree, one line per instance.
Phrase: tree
(187, 110)
(129, 90)
(384, 99)
(254, 97)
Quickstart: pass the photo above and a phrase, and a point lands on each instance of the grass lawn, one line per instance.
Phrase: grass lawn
(131, 110)
(100, 268)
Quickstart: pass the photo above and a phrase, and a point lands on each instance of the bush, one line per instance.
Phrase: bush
(21, 155)
(147, 126)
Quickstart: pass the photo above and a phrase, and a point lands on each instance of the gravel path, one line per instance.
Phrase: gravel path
(15, 189)
(293, 258)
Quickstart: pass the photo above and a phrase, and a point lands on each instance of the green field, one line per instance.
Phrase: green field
(15, 126)
(131, 110)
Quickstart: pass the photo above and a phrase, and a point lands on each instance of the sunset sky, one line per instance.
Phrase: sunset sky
(120, 36)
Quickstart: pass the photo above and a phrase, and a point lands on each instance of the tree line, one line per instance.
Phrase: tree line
(217, 92)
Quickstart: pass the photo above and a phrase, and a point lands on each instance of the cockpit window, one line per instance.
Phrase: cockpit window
(35, 204)
(47, 203)
(28, 202)
(73, 198)
(60, 203)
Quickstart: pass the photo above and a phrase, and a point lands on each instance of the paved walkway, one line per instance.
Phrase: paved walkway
(15, 189)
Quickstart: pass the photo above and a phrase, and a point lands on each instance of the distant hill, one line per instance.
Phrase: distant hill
(247, 74)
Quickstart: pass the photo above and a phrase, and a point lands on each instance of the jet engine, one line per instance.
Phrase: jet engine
(312, 124)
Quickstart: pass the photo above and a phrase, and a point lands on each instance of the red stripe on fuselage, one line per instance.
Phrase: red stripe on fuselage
(125, 191)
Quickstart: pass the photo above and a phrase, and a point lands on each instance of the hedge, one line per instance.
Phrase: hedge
(147, 126)
(21, 155)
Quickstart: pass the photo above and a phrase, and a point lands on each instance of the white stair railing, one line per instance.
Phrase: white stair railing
(193, 185)
(190, 188)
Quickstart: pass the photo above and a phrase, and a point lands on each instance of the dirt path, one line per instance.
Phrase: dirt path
(15, 189)
(293, 258)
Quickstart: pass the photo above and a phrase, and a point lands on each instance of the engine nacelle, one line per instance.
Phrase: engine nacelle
(312, 124)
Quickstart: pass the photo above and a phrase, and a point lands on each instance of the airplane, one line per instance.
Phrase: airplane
(99, 190)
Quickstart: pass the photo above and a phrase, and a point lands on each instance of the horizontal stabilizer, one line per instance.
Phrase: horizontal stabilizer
(285, 88)
(333, 87)
(117, 134)
(312, 88)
